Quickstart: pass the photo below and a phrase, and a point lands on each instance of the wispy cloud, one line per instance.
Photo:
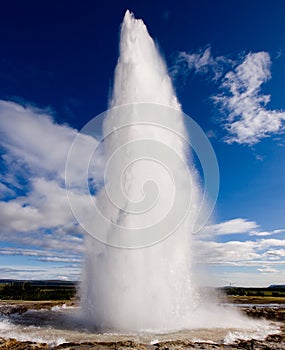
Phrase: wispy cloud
(242, 254)
(237, 226)
(247, 119)
(265, 233)
(252, 278)
(43, 255)
(201, 62)
(259, 251)
(5, 191)
(267, 269)
(48, 272)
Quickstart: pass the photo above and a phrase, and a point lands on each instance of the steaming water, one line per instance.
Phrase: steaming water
(60, 325)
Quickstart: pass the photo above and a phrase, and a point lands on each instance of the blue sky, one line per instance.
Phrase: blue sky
(227, 63)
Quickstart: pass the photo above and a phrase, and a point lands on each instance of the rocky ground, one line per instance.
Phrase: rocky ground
(10, 306)
(276, 342)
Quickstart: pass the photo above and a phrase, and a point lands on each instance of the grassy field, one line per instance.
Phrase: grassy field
(256, 299)
(64, 291)
(278, 291)
(33, 290)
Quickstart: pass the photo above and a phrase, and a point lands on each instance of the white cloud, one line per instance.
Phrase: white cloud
(272, 242)
(233, 226)
(43, 255)
(5, 191)
(56, 240)
(35, 143)
(249, 278)
(46, 206)
(274, 254)
(236, 226)
(32, 137)
(241, 253)
(227, 253)
(39, 216)
(241, 262)
(201, 62)
(248, 120)
(265, 233)
(48, 272)
(267, 269)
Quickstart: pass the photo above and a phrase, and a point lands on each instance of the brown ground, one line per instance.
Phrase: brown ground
(276, 342)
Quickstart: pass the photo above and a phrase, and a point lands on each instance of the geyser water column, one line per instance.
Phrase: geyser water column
(138, 273)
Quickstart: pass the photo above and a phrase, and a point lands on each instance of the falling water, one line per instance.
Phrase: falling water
(149, 288)
(139, 277)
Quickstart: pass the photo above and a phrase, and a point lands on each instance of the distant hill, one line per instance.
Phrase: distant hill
(277, 286)
(42, 283)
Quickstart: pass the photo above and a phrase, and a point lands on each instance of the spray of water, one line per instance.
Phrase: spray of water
(138, 273)
(145, 176)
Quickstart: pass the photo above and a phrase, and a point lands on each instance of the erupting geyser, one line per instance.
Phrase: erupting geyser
(136, 195)
(139, 277)
(149, 288)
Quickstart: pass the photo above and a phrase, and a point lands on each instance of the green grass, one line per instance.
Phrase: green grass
(26, 291)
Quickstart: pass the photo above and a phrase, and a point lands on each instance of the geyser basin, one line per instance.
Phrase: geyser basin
(61, 325)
